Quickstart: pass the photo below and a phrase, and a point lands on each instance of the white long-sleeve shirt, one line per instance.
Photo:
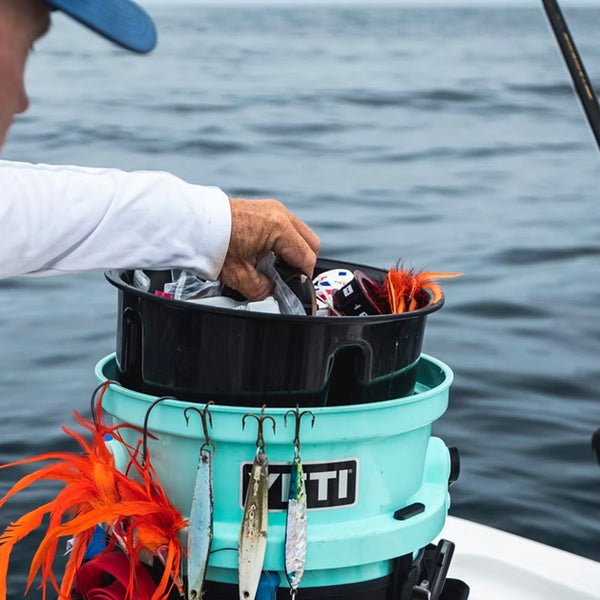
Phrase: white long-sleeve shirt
(65, 219)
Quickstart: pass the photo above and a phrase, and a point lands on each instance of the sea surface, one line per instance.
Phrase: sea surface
(448, 138)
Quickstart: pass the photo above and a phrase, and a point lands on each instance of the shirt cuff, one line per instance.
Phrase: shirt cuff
(214, 220)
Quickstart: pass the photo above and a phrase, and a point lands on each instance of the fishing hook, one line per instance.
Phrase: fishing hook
(298, 416)
(145, 429)
(104, 385)
(206, 417)
(260, 440)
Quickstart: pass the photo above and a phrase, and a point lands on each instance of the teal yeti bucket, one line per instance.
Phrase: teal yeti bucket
(377, 481)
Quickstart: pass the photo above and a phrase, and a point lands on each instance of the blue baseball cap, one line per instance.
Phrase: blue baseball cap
(122, 21)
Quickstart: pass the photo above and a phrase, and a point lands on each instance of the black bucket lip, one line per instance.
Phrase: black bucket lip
(114, 277)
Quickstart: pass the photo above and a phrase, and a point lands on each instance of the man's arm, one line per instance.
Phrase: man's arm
(65, 219)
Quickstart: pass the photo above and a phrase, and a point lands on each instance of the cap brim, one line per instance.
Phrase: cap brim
(121, 21)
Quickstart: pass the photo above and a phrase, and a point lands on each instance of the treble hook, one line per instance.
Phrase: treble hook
(145, 429)
(206, 421)
(104, 385)
(260, 440)
(298, 416)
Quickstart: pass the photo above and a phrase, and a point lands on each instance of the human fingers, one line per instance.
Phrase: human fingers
(295, 242)
(243, 277)
(311, 238)
(295, 251)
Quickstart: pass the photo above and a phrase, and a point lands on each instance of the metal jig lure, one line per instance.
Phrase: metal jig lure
(253, 534)
(200, 528)
(296, 522)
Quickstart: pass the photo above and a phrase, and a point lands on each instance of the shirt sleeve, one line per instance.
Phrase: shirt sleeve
(66, 219)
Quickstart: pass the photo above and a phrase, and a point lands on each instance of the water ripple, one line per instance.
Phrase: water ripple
(543, 90)
(540, 255)
(425, 99)
(206, 146)
(497, 308)
(199, 108)
(299, 128)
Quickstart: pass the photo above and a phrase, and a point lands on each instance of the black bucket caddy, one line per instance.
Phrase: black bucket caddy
(195, 352)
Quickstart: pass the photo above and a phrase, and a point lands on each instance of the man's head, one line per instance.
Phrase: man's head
(23, 22)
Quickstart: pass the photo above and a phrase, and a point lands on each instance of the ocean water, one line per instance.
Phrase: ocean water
(448, 138)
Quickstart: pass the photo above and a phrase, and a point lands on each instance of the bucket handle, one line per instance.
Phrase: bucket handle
(131, 359)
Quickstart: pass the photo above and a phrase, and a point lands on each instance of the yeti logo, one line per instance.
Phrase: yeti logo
(328, 485)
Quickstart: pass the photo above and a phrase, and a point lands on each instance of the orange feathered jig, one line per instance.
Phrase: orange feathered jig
(406, 289)
(136, 514)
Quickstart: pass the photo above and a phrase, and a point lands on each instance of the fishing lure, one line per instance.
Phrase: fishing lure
(200, 529)
(95, 492)
(296, 522)
(253, 534)
(405, 290)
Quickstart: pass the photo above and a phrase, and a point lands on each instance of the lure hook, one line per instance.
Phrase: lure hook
(206, 417)
(298, 417)
(145, 429)
(99, 387)
(260, 440)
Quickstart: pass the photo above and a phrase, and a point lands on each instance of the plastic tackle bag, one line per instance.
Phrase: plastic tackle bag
(288, 302)
(140, 280)
(187, 284)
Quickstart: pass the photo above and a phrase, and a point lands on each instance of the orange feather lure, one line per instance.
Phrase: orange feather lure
(96, 492)
(405, 289)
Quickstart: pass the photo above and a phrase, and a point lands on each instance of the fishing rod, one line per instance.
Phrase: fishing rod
(586, 94)
(582, 84)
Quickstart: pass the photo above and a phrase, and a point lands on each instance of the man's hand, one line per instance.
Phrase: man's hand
(257, 228)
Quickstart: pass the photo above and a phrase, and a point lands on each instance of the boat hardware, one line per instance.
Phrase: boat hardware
(437, 562)
(296, 522)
